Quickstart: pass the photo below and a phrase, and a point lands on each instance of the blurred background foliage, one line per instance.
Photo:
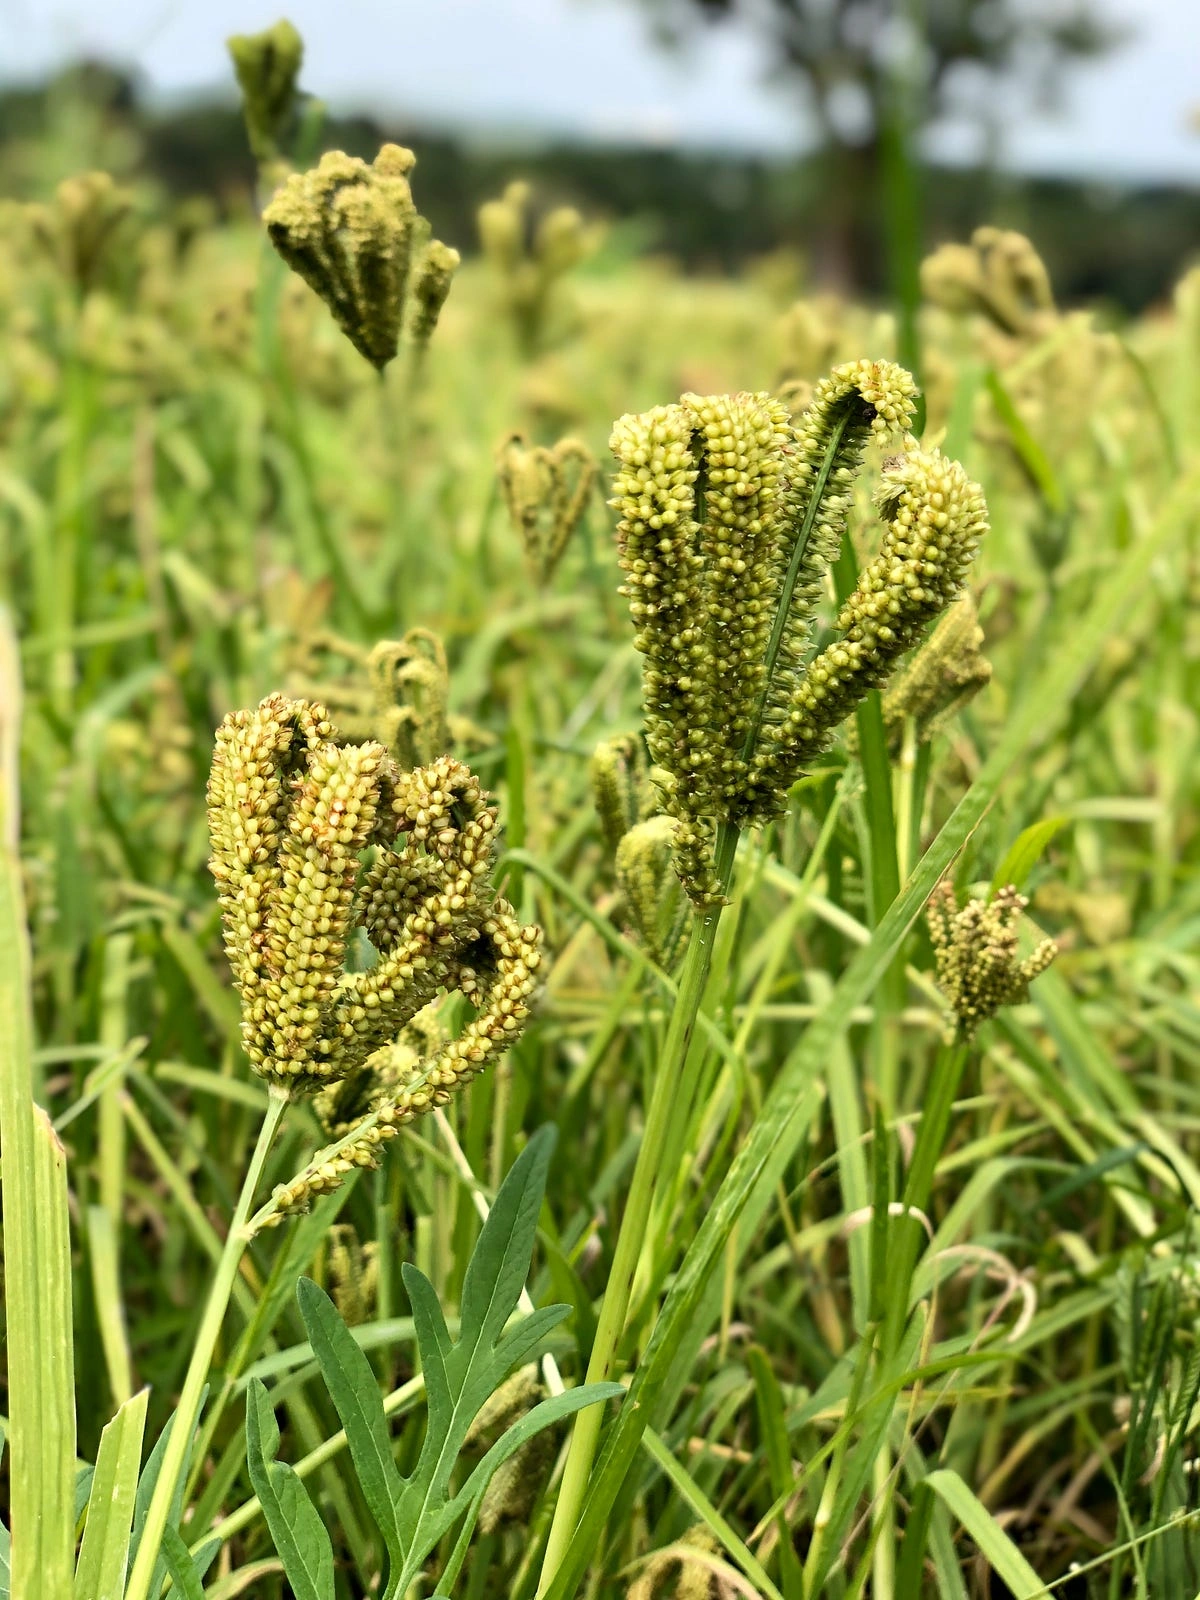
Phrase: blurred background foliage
(819, 214)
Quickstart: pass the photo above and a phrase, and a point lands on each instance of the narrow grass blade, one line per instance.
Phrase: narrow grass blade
(145, 1492)
(772, 1427)
(37, 1241)
(996, 1547)
(702, 1507)
(106, 1289)
(100, 1573)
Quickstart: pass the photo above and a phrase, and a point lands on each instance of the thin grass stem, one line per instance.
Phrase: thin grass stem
(180, 1441)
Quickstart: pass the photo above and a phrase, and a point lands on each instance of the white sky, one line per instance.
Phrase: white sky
(584, 68)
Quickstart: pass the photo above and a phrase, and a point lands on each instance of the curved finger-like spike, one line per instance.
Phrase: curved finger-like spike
(729, 518)
(292, 812)
(399, 1087)
(935, 519)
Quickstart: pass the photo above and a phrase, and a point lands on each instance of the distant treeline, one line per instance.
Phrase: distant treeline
(1117, 242)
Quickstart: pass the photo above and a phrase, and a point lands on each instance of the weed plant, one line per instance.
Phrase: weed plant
(865, 1247)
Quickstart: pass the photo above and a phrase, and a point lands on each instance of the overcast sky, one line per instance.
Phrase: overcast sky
(585, 69)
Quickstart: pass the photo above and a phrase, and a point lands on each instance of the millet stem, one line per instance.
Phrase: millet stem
(184, 1421)
(668, 1095)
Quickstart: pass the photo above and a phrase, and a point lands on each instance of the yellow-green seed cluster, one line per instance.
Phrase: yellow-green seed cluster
(934, 519)
(353, 1273)
(78, 228)
(730, 515)
(291, 812)
(529, 258)
(975, 949)
(693, 1577)
(649, 889)
(999, 274)
(546, 490)
(431, 288)
(410, 684)
(619, 776)
(514, 1489)
(351, 231)
(267, 66)
(945, 673)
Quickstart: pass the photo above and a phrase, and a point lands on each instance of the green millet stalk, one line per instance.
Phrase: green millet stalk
(292, 811)
(730, 516)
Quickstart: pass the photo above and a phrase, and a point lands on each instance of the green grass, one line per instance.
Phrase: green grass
(204, 496)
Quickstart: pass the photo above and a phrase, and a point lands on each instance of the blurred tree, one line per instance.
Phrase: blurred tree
(875, 70)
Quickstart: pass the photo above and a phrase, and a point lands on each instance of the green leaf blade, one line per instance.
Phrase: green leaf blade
(355, 1394)
(300, 1537)
(500, 1262)
(100, 1572)
(997, 1548)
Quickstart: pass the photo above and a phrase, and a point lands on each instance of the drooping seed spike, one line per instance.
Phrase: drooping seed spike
(975, 949)
(349, 230)
(293, 813)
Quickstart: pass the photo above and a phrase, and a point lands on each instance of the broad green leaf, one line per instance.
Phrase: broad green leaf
(100, 1572)
(500, 1261)
(300, 1536)
(480, 1360)
(355, 1393)
(460, 1376)
(994, 1544)
(470, 1496)
(179, 1564)
(1026, 851)
(527, 1338)
(433, 1343)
